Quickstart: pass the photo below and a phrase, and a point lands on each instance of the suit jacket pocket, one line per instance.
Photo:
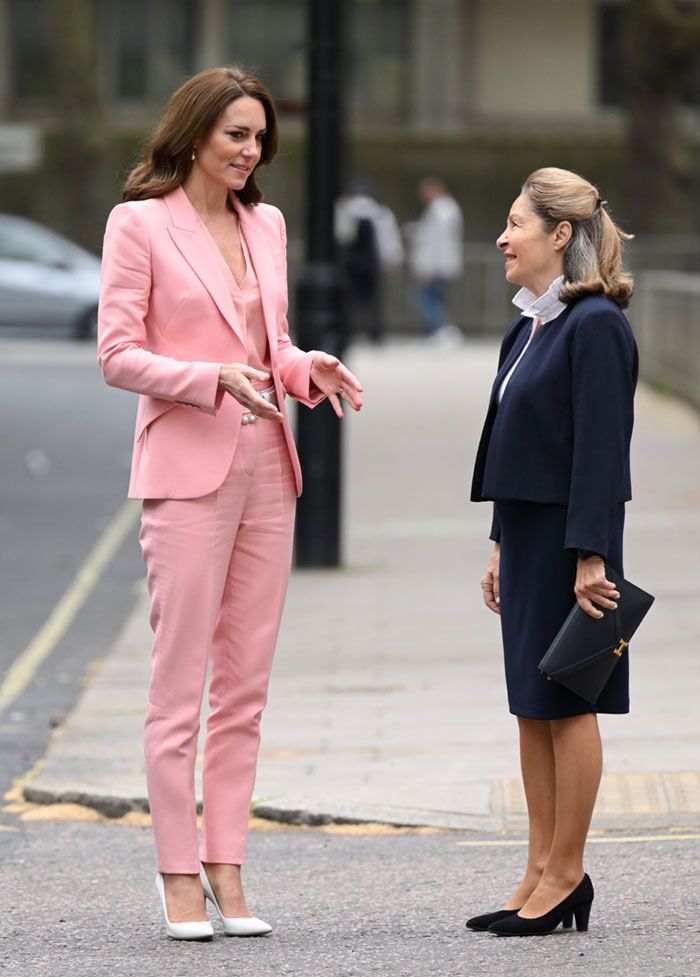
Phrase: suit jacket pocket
(150, 408)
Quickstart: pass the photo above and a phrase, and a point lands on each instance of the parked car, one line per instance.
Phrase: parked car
(48, 285)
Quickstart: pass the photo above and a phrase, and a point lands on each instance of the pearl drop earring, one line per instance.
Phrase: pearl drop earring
(193, 155)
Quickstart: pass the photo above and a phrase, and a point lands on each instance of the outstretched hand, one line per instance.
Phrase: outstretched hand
(336, 381)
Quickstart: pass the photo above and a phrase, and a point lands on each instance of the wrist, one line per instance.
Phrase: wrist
(587, 555)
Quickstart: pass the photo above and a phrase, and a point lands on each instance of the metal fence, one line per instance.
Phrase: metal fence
(481, 300)
(666, 321)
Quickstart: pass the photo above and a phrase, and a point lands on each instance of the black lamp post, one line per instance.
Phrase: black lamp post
(319, 294)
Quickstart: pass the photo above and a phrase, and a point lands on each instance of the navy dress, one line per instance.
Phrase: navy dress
(554, 459)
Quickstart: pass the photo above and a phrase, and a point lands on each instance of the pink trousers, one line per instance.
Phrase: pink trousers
(218, 568)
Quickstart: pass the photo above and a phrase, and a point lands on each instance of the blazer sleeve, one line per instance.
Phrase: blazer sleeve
(603, 378)
(125, 287)
(294, 364)
(495, 533)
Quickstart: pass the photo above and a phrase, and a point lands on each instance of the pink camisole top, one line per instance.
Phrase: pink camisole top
(248, 305)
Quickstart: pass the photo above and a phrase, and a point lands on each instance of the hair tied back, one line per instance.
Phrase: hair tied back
(593, 256)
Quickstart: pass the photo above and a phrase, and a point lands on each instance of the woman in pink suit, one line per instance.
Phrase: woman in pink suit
(193, 318)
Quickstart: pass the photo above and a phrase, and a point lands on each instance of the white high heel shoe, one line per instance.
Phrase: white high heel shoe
(234, 926)
(199, 930)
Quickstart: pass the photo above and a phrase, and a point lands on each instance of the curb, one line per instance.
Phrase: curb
(505, 823)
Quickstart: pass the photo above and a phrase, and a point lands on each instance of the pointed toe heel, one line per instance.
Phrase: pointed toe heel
(234, 926)
(198, 930)
(480, 924)
(577, 905)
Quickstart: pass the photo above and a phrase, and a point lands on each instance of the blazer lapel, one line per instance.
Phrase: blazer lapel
(260, 255)
(196, 249)
(514, 352)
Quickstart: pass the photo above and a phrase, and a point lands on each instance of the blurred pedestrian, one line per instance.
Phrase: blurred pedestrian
(369, 246)
(193, 318)
(555, 458)
(436, 257)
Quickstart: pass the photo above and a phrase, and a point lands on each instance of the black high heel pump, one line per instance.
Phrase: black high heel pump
(577, 905)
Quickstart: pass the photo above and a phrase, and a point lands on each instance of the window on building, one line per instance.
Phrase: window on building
(132, 39)
(145, 48)
(148, 45)
(181, 29)
(376, 45)
(610, 54)
(30, 49)
(268, 37)
(377, 61)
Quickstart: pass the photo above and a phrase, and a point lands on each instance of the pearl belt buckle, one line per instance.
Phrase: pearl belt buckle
(271, 395)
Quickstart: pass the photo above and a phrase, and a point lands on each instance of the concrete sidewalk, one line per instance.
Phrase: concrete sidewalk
(387, 700)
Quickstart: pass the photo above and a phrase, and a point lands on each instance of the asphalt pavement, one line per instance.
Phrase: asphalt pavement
(66, 447)
(78, 900)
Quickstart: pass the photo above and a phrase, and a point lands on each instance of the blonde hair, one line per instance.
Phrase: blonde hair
(593, 256)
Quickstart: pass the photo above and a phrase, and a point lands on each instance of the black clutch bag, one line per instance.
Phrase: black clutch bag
(586, 650)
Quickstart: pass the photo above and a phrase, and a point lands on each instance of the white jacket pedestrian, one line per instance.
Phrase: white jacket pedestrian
(437, 249)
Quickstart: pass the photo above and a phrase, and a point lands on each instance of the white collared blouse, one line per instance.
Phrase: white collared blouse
(543, 309)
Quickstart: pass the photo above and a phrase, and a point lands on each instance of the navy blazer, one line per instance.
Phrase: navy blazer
(561, 434)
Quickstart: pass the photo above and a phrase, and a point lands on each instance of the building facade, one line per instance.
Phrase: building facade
(443, 66)
(479, 92)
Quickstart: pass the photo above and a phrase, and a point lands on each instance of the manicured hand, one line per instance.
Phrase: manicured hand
(490, 586)
(235, 379)
(593, 588)
(336, 381)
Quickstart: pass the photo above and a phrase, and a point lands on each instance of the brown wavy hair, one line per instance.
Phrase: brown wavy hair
(190, 115)
(593, 256)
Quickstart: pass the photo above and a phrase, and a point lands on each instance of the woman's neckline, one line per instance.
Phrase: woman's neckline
(225, 265)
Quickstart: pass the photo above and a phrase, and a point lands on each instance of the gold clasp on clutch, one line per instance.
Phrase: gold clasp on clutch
(623, 644)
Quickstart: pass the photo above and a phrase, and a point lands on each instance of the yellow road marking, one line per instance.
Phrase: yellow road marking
(61, 617)
(612, 840)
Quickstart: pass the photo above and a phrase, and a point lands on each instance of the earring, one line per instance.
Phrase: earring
(193, 155)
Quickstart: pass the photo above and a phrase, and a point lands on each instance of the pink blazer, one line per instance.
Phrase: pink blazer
(166, 324)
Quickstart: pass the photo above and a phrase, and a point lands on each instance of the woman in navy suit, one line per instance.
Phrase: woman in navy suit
(554, 459)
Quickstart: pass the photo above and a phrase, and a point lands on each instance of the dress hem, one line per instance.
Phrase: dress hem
(531, 713)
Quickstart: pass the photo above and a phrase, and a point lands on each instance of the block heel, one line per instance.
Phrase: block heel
(582, 915)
